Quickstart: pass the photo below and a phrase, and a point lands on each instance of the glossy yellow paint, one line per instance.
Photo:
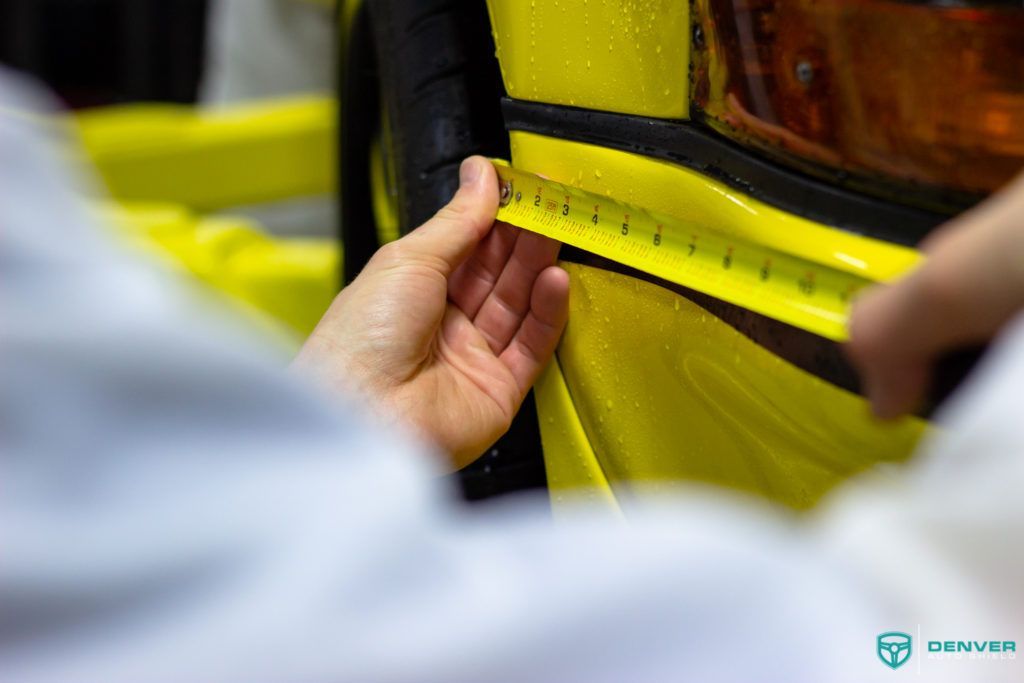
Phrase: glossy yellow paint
(629, 57)
(217, 158)
(665, 391)
(577, 474)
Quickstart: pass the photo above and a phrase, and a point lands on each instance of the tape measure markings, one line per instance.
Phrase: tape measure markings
(788, 288)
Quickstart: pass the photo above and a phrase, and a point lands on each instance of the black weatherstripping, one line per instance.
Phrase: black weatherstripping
(819, 356)
(695, 147)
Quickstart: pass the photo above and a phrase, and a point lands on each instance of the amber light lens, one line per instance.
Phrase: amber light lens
(921, 93)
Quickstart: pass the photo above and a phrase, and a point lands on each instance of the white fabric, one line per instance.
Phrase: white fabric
(175, 507)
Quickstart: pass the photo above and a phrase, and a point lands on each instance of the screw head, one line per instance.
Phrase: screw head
(804, 72)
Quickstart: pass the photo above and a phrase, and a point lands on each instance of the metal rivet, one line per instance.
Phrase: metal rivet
(506, 193)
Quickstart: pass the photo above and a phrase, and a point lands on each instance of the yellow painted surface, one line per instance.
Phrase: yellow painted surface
(665, 391)
(577, 475)
(623, 56)
(217, 158)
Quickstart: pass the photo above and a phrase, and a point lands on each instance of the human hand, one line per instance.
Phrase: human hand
(446, 329)
(970, 285)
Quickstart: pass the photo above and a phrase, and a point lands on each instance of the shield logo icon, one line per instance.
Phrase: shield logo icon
(894, 649)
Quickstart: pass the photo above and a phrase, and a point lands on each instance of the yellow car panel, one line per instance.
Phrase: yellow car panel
(666, 392)
(577, 474)
(217, 158)
(631, 58)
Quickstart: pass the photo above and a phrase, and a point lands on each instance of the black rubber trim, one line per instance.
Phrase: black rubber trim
(695, 147)
(817, 355)
(820, 357)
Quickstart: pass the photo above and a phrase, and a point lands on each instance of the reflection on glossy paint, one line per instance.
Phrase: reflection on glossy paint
(699, 401)
(853, 261)
(729, 196)
(692, 398)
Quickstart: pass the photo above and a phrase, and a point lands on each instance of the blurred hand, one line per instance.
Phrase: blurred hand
(446, 329)
(971, 284)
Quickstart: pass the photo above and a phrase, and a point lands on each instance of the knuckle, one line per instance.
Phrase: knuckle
(453, 212)
(390, 252)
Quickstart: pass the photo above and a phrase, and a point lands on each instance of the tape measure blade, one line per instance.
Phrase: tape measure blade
(781, 286)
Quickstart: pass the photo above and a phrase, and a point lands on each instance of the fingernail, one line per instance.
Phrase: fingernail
(469, 171)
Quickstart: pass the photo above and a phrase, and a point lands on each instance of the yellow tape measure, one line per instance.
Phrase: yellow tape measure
(787, 288)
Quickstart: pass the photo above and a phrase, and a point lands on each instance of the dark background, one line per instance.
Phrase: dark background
(95, 52)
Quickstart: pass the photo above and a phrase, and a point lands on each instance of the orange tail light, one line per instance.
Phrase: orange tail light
(914, 92)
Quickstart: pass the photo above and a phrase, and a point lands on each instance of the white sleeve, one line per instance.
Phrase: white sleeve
(174, 507)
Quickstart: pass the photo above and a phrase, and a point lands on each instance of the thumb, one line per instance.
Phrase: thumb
(458, 227)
